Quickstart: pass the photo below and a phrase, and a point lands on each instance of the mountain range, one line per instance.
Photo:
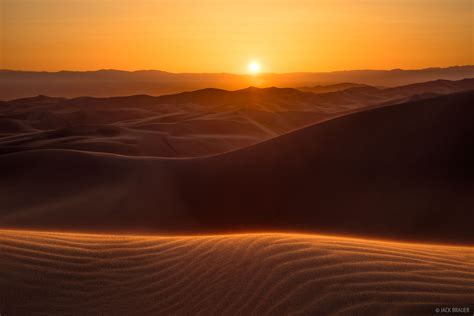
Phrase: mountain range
(106, 83)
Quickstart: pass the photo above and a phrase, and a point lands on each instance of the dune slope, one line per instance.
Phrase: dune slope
(402, 171)
(249, 274)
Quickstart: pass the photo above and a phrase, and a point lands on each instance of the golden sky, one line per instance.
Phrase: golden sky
(225, 35)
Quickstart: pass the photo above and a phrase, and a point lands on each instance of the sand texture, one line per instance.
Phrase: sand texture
(250, 274)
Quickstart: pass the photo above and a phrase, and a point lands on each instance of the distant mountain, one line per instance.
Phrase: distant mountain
(106, 83)
(188, 124)
(332, 87)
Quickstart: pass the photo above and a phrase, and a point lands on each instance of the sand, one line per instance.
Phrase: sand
(397, 170)
(401, 171)
(248, 274)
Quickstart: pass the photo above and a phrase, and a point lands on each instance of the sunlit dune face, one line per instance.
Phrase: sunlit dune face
(254, 67)
(207, 269)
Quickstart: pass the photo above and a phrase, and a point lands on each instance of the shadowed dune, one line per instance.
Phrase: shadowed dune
(248, 274)
(402, 171)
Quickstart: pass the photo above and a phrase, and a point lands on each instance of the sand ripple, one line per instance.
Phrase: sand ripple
(250, 274)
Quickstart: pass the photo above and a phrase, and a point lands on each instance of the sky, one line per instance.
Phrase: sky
(226, 36)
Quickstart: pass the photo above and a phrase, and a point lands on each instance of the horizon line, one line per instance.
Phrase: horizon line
(230, 73)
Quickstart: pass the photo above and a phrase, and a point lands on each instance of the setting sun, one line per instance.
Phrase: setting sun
(254, 67)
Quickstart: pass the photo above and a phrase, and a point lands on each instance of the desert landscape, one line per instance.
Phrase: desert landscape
(237, 202)
(191, 124)
(265, 157)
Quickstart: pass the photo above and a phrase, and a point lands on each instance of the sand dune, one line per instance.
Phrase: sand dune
(190, 124)
(249, 274)
(402, 171)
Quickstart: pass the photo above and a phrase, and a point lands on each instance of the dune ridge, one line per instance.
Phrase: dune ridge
(188, 124)
(247, 274)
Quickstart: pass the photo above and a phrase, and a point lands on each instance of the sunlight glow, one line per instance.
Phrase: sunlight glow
(254, 67)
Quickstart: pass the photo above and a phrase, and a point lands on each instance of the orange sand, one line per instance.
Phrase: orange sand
(247, 274)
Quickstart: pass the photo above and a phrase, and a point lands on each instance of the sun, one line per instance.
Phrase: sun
(254, 67)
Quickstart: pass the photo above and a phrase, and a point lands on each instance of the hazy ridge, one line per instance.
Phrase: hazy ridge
(105, 83)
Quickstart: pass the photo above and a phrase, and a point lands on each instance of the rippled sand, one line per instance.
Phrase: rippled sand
(247, 274)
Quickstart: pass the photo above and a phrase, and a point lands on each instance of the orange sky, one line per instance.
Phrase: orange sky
(224, 35)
